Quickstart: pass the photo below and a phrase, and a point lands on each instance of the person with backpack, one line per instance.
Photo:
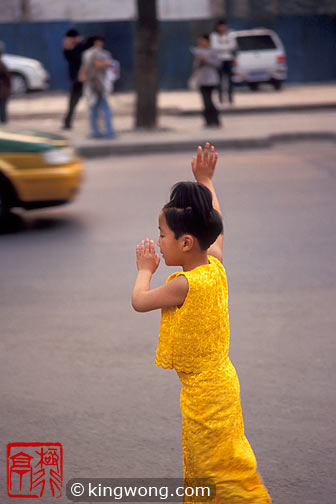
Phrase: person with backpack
(97, 74)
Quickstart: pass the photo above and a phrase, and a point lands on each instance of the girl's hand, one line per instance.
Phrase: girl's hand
(146, 258)
(203, 165)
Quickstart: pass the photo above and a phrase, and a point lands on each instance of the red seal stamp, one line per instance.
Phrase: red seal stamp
(34, 469)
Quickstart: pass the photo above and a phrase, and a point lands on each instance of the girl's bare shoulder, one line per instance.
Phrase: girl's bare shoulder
(179, 282)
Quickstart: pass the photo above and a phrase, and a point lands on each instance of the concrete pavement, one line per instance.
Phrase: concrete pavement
(256, 119)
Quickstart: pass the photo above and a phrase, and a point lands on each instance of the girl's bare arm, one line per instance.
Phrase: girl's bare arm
(203, 167)
(168, 295)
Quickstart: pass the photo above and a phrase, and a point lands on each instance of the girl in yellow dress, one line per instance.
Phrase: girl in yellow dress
(194, 336)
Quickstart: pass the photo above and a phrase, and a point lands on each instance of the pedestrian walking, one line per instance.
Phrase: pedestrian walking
(5, 86)
(205, 73)
(97, 74)
(226, 45)
(194, 336)
(73, 47)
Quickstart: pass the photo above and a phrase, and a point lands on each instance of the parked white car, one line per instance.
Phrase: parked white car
(27, 74)
(261, 58)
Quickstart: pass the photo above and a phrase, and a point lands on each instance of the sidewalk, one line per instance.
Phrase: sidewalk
(256, 119)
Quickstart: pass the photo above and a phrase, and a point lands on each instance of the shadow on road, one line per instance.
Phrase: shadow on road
(16, 223)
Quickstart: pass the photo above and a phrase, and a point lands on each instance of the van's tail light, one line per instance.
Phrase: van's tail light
(281, 58)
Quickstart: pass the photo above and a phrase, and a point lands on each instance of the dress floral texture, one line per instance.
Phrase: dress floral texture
(194, 340)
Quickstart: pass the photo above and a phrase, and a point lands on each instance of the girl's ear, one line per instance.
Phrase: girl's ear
(187, 242)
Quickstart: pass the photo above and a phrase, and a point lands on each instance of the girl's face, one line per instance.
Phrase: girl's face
(169, 246)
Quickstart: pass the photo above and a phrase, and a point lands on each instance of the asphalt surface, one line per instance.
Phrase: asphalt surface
(77, 363)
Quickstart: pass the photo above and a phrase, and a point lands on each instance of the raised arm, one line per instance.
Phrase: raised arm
(203, 167)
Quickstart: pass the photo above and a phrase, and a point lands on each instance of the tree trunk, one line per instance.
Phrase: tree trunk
(25, 10)
(217, 9)
(146, 64)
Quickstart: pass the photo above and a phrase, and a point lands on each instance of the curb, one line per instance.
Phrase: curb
(171, 111)
(268, 109)
(110, 149)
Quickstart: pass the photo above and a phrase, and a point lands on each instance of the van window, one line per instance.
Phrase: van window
(255, 43)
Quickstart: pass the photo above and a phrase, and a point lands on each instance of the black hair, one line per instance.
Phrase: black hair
(94, 38)
(72, 33)
(190, 210)
(221, 22)
(205, 36)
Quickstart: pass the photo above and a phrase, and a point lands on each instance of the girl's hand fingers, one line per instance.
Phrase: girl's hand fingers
(212, 154)
(152, 247)
(199, 155)
(214, 161)
(206, 151)
(147, 245)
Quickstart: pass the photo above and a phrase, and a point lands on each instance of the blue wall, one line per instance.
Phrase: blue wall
(43, 41)
(310, 43)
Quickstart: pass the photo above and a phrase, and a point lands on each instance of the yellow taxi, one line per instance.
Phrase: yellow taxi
(36, 170)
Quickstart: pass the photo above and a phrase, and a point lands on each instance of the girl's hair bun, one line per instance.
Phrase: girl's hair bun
(190, 210)
(192, 194)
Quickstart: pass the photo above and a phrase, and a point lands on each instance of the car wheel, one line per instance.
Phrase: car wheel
(18, 84)
(254, 86)
(277, 84)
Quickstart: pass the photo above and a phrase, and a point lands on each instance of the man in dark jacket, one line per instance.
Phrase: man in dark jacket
(73, 47)
(4, 86)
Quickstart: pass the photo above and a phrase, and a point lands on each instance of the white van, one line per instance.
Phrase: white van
(260, 58)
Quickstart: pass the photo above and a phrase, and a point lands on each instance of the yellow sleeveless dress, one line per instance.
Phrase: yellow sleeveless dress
(194, 340)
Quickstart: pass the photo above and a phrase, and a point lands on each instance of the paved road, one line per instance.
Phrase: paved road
(77, 363)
